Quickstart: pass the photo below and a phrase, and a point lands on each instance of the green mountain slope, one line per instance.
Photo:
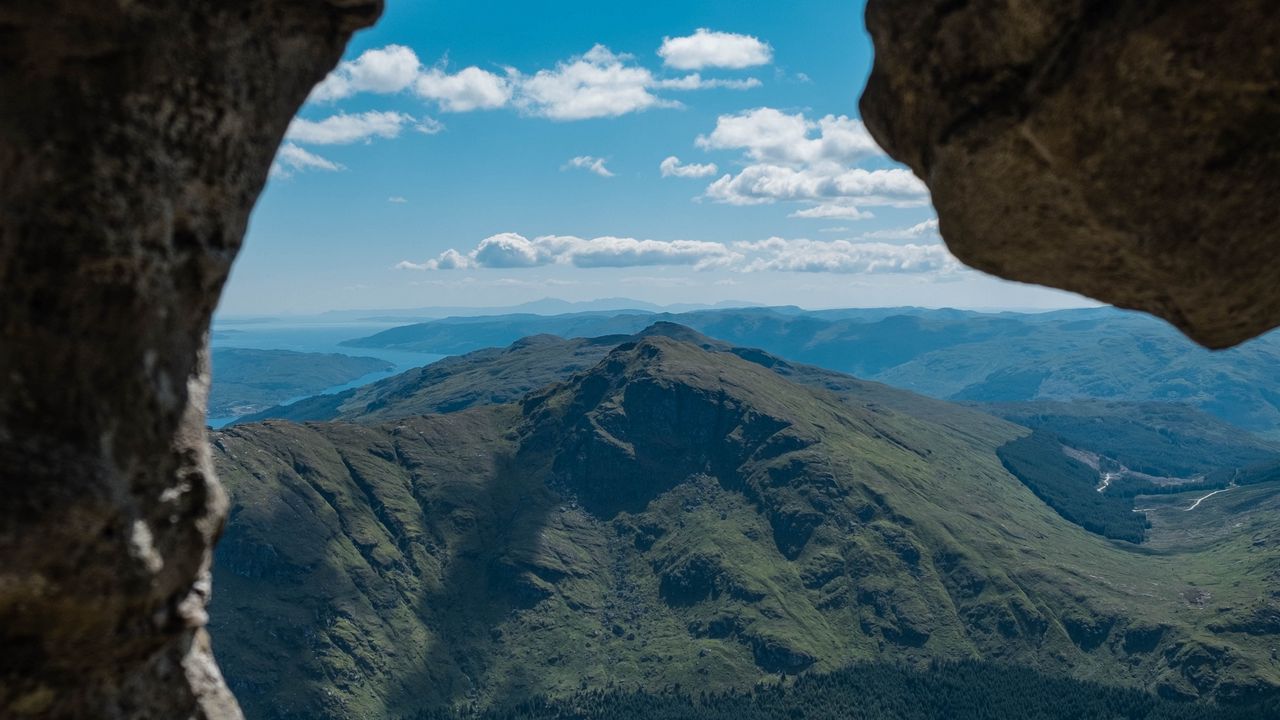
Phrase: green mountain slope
(1003, 357)
(248, 380)
(678, 515)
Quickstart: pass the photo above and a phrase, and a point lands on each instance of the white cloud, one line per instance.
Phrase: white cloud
(397, 199)
(395, 68)
(342, 128)
(447, 260)
(770, 135)
(863, 256)
(290, 159)
(594, 85)
(510, 250)
(765, 183)
(630, 252)
(697, 82)
(590, 164)
(382, 70)
(844, 256)
(830, 211)
(927, 230)
(672, 167)
(792, 158)
(468, 89)
(706, 48)
(429, 126)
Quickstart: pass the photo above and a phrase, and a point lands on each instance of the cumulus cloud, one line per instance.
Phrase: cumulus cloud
(862, 256)
(382, 70)
(770, 135)
(789, 157)
(447, 260)
(707, 48)
(833, 211)
(844, 256)
(590, 164)
(765, 183)
(511, 250)
(396, 68)
(596, 84)
(630, 252)
(672, 167)
(468, 89)
(599, 83)
(342, 129)
(291, 159)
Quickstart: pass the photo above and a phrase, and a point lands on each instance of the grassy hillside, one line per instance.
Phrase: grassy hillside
(1005, 357)
(677, 515)
(247, 380)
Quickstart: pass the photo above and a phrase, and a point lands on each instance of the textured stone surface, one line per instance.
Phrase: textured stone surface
(134, 139)
(1124, 149)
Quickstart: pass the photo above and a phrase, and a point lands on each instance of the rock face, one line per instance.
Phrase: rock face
(1126, 150)
(134, 139)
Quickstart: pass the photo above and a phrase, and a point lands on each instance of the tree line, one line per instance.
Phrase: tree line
(971, 690)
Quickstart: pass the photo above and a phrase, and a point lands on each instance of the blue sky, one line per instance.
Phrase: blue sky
(489, 153)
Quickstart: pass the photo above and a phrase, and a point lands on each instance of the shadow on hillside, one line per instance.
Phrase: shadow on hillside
(491, 574)
(334, 563)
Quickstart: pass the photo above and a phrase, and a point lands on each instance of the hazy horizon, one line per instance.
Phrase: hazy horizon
(555, 305)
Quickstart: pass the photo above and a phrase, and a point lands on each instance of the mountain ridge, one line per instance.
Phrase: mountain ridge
(1092, 353)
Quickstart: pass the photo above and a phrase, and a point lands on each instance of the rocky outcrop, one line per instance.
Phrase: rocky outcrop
(134, 139)
(1126, 150)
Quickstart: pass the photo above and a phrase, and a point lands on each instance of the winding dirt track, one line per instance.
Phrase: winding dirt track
(1196, 504)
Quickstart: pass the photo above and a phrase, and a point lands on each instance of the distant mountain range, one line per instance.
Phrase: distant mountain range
(1100, 354)
(545, 306)
(668, 508)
